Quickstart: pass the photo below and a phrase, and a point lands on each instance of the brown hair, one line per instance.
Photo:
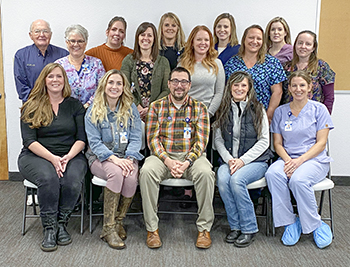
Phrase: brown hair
(233, 35)
(141, 29)
(262, 50)
(37, 111)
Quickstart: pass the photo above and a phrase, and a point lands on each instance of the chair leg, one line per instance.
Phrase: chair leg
(331, 210)
(321, 203)
(24, 210)
(82, 209)
(33, 201)
(90, 209)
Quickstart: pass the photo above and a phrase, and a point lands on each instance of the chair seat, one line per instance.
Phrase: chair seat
(99, 181)
(257, 184)
(29, 184)
(325, 184)
(176, 182)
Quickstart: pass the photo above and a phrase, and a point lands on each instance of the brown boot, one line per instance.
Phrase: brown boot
(123, 207)
(153, 239)
(203, 240)
(111, 201)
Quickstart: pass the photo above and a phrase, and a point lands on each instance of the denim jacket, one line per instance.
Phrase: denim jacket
(104, 138)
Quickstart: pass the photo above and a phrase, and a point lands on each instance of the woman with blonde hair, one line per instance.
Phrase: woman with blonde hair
(305, 58)
(225, 37)
(113, 128)
(267, 72)
(277, 36)
(52, 126)
(145, 69)
(207, 72)
(171, 38)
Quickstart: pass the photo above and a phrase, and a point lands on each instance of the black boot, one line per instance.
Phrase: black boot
(63, 237)
(49, 223)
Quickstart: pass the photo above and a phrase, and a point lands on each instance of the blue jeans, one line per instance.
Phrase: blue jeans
(234, 193)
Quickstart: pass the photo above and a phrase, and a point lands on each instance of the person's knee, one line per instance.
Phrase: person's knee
(298, 182)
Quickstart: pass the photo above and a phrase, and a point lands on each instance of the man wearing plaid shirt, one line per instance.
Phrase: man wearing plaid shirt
(177, 133)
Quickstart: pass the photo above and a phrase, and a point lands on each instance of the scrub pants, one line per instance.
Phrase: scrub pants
(308, 174)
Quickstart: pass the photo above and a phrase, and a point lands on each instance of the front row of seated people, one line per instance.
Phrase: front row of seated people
(177, 126)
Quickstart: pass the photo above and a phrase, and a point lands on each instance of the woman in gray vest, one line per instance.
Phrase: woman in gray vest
(242, 140)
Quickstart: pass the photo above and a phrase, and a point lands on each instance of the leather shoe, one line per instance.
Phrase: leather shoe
(232, 236)
(244, 240)
(203, 239)
(153, 239)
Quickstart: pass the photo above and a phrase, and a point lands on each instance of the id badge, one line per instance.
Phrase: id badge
(187, 132)
(123, 137)
(288, 126)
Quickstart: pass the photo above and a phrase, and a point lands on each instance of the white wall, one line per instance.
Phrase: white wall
(95, 15)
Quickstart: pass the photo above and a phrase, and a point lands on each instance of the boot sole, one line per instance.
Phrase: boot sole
(115, 247)
(48, 249)
(64, 243)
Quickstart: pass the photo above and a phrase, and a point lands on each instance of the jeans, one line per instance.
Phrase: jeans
(234, 193)
(54, 193)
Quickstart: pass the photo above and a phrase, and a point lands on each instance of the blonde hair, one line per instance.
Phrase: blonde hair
(262, 50)
(188, 59)
(37, 111)
(313, 60)
(99, 106)
(233, 35)
(180, 35)
(286, 29)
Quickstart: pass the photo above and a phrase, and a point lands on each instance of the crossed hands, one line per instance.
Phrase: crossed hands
(60, 164)
(235, 164)
(291, 165)
(176, 167)
(143, 112)
(125, 164)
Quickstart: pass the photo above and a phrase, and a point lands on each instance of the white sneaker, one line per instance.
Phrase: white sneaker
(30, 200)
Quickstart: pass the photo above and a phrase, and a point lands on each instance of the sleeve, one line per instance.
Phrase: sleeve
(328, 93)
(152, 130)
(135, 136)
(79, 122)
(100, 71)
(94, 137)
(262, 143)
(323, 117)
(220, 146)
(275, 124)
(229, 68)
(164, 90)
(277, 74)
(28, 135)
(202, 129)
(218, 90)
(326, 77)
(21, 79)
(127, 68)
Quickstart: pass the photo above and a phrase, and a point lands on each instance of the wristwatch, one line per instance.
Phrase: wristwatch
(190, 161)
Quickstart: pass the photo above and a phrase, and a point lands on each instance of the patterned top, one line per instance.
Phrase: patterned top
(165, 126)
(264, 75)
(325, 75)
(83, 82)
(144, 77)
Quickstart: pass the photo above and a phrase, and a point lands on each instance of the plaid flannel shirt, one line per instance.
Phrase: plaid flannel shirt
(165, 128)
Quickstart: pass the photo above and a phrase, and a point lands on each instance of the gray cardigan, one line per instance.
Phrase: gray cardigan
(159, 81)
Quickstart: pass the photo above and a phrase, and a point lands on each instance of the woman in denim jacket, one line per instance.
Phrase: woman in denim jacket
(113, 128)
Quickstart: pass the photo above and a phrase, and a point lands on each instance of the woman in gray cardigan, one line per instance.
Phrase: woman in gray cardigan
(145, 69)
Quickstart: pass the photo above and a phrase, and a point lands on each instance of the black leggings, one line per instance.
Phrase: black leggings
(54, 193)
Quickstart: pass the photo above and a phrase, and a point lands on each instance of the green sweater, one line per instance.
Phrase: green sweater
(159, 81)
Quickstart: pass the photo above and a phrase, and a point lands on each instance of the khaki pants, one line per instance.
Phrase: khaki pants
(154, 171)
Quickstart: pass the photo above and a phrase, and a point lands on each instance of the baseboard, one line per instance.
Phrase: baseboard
(338, 180)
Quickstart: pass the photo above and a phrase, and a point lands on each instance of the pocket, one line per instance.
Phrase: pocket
(106, 132)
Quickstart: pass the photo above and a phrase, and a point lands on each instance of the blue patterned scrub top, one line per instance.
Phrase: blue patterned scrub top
(264, 75)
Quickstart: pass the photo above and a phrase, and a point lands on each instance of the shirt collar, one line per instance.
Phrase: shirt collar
(187, 102)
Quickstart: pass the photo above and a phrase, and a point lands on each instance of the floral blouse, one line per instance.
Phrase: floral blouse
(85, 81)
(144, 78)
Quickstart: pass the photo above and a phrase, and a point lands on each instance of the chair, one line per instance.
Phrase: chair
(30, 186)
(325, 185)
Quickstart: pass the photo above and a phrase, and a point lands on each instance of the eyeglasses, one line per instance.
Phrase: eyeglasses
(72, 42)
(175, 82)
(45, 32)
